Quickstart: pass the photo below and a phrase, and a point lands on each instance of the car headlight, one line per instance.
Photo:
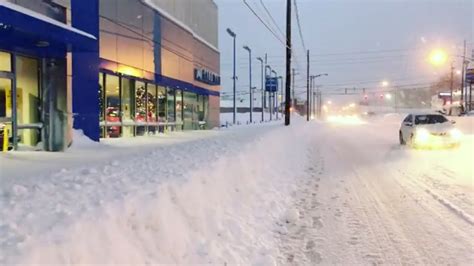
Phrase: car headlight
(422, 135)
(456, 134)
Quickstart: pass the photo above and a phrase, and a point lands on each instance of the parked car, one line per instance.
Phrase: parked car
(429, 131)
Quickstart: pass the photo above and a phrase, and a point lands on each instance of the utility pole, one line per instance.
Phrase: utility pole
(313, 87)
(288, 62)
(263, 90)
(282, 95)
(233, 35)
(275, 95)
(270, 109)
(451, 85)
(250, 81)
(307, 85)
(463, 74)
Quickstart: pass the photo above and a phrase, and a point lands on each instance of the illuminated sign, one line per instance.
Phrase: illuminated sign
(206, 76)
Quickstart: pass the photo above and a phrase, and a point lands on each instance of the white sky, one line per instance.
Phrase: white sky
(348, 39)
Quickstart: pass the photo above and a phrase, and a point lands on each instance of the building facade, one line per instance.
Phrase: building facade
(111, 68)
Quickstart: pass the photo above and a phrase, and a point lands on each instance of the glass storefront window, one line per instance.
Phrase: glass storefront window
(171, 108)
(171, 105)
(112, 106)
(128, 106)
(5, 99)
(5, 61)
(28, 102)
(101, 96)
(179, 109)
(190, 104)
(140, 108)
(162, 106)
(151, 106)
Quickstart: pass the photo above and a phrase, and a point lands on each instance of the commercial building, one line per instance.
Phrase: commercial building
(111, 68)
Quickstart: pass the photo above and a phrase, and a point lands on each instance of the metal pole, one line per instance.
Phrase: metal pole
(263, 89)
(275, 95)
(288, 62)
(313, 102)
(451, 85)
(470, 96)
(266, 67)
(250, 87)
(250, 82)
(14, 103)
(462, 74)
(234, 100)
(293, 88)
(282, 97)
(307, 86)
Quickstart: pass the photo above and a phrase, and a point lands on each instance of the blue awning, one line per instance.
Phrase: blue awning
(27, 31)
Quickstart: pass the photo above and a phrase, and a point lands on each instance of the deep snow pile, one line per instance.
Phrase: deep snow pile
(209, 201)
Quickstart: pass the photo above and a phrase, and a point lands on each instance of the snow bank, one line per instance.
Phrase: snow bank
(81, 141)
(220, 212)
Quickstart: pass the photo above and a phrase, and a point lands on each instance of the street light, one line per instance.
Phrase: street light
(385, 83)
(438, 57)
(250, 81)
(281, 91)
(233, 35)
(269, 93)
(275, 101)
(263, 89)
(312, 78)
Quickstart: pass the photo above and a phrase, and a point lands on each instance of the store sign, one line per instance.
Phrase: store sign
(206, 76)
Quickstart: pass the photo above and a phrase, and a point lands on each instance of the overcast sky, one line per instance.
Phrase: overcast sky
(358, 43)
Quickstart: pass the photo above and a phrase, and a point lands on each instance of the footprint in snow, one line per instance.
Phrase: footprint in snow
(317, 223)
(313, 256)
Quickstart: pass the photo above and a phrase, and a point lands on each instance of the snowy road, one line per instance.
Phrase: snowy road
(368, 201)
(312, 193)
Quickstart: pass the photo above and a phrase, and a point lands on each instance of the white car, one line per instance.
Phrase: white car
(429, 131)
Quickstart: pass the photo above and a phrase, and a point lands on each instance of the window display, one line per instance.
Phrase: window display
(137, 108)
(112, 106)
(162, 107)
(152, 101)
(140, 108)
(128, 106)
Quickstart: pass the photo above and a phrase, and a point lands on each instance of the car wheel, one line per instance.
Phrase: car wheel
(400, 137)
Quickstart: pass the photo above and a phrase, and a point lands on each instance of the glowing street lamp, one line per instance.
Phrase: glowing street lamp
(385, 83)
(438, 57)
(388, 96)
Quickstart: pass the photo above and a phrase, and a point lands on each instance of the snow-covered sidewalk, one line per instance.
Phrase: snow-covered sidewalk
(312, 193)
(207, 200)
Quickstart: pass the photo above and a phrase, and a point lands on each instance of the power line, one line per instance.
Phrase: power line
(263, 22)
(271, 17)
(299, 23)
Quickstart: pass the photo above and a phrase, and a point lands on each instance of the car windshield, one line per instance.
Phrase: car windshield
(429, 119)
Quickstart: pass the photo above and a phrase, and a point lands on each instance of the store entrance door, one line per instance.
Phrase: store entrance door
(7, 112)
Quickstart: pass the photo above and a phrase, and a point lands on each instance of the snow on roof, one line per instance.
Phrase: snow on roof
(44, 18)
(179, 23)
